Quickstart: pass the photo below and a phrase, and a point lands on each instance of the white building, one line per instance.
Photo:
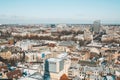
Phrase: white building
(58, 66)
(25, 44)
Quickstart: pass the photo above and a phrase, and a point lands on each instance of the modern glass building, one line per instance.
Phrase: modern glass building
(56, 65)
(46, 72)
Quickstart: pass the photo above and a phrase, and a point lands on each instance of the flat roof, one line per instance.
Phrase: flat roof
(62, 55)
(87, 63)
(54, 59)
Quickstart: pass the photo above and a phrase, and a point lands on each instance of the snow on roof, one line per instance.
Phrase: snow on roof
(94, 50)
(95, 44)
(54, 59)
(101, 59)
(37, 76)
(67, 43)
(51, 42)
(46, 52)
(26, 78)
(62, 55)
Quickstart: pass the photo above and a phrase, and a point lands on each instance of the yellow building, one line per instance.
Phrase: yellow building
(6, 55)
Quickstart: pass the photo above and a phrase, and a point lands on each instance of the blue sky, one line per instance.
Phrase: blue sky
(59, 11)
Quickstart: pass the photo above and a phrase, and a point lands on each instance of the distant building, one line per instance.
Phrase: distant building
(0, 33)
(87, 35)
(96, 26)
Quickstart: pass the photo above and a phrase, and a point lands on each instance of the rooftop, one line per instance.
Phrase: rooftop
(37, 76)
(54, 59)
(62, 55)
(67, 43)
(87, 63)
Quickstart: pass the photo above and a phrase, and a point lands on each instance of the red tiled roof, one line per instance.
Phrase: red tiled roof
(14, 74)
(3, 67)
(64, 77)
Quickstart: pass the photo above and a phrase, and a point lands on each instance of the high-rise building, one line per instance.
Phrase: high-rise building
(56, 65)
(54, 68)
(96, 26)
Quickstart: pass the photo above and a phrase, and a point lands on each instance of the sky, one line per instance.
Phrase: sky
(59, 11)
